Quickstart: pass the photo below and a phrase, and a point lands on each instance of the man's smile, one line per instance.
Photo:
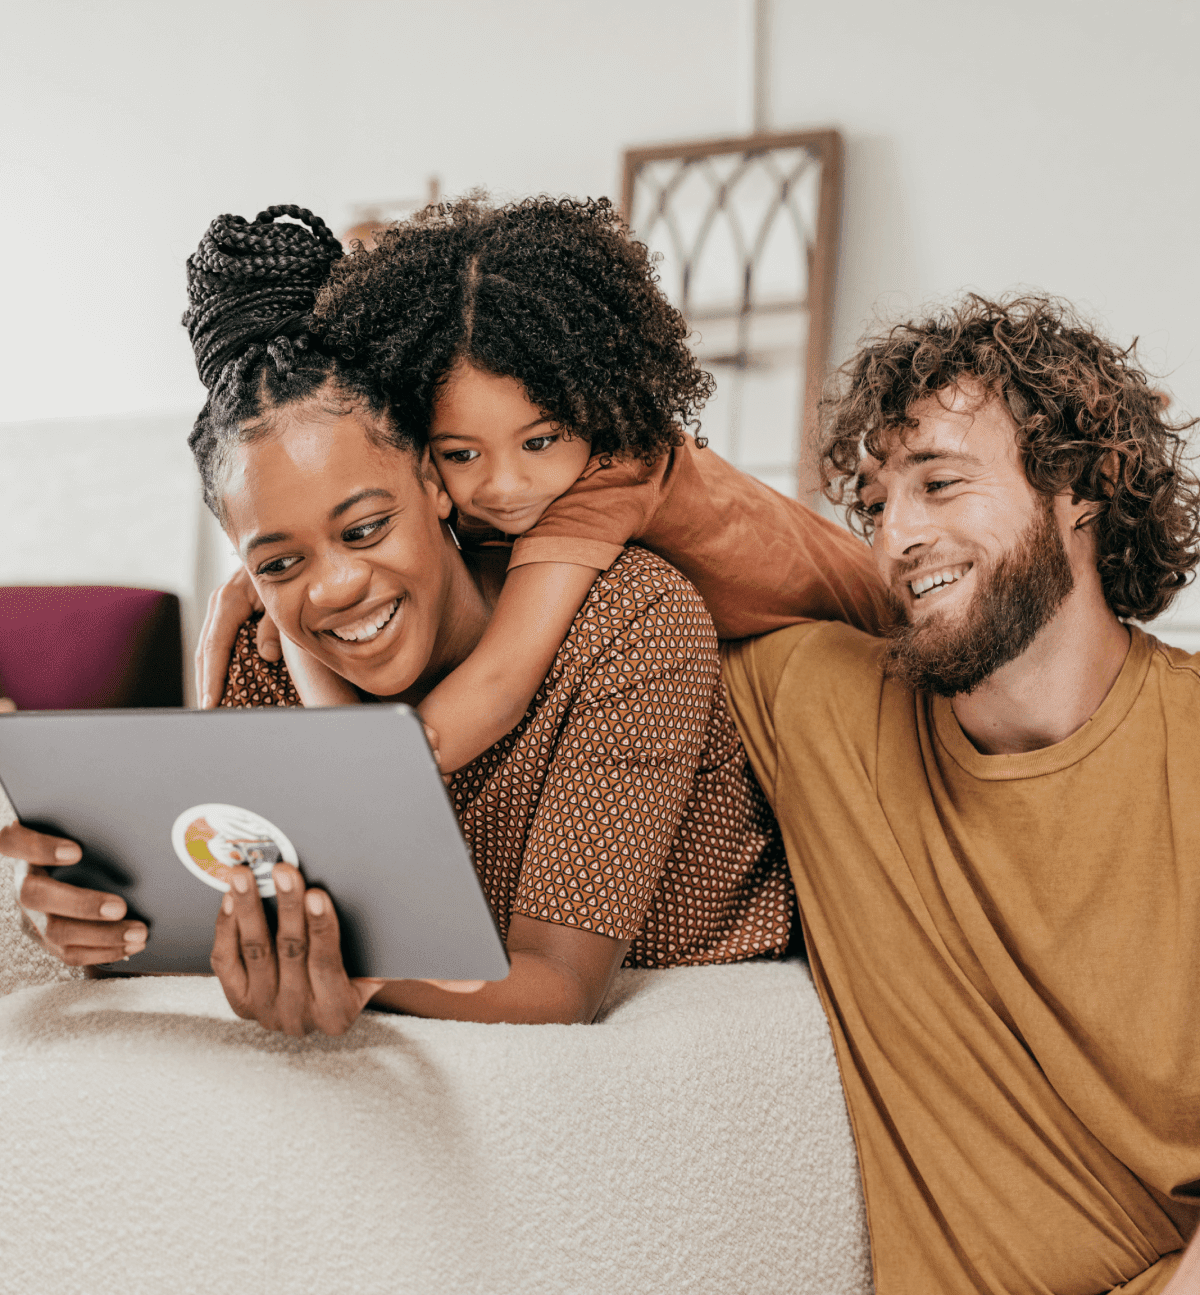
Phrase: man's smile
(933, 581)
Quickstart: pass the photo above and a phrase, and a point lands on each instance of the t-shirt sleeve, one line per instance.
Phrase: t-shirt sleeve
(592, 522)
(761, 560)
(751, 671)
(251, 681)
(623, 769)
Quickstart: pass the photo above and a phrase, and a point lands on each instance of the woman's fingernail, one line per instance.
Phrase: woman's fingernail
(316, 904)
(282, 880)
(227, 905)
(67, 853)
(135, 935)
(241, 883)
(112, 909)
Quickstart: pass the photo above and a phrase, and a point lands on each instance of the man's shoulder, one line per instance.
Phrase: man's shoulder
(1177, 673)
(819, 663)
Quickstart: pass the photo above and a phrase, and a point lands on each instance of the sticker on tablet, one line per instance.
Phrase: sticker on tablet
(210, 838)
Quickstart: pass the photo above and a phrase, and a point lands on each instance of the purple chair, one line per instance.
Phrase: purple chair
(80, 647)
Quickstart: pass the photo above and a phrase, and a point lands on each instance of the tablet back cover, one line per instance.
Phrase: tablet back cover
(156, 798)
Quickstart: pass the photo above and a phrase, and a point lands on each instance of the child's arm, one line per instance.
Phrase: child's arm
(473, 708)
(317, 684)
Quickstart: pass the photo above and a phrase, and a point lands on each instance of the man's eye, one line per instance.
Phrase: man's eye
(460, 456)
(536, 443)
(940, 483)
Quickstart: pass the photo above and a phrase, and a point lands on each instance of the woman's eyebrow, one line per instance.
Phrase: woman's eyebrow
(375, 492)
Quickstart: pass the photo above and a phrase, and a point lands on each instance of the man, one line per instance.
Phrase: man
(993, 816)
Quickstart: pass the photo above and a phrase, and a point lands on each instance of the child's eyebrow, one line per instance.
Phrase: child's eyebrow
(466, 436)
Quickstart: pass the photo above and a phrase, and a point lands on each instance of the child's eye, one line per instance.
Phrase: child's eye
(365, 531)
(460, 456)
(538, 443)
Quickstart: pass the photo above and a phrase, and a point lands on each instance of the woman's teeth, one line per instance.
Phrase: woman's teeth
(925, 583)
(366, 629)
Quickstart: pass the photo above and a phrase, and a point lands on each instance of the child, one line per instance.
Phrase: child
(536, 356)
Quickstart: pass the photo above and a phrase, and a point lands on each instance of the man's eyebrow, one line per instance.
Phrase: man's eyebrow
(375, 492)
(915, 459)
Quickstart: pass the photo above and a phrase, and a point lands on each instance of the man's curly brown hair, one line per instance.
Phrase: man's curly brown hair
(552, 292)
(1087, 421)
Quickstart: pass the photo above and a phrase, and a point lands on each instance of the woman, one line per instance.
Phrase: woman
(617, 822)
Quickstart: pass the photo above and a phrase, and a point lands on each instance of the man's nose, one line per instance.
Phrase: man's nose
(339, 580)
(904, 526)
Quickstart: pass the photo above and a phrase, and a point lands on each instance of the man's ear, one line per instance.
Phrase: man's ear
(1085, 510)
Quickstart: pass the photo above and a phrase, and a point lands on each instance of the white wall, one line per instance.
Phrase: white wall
(1050, 144)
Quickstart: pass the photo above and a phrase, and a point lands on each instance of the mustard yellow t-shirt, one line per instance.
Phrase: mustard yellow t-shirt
(1008, 951)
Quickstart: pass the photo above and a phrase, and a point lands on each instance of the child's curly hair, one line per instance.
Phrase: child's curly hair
(552, 292)
(1087, 422)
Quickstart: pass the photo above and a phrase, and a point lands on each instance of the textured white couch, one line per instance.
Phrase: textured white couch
(694, 1139)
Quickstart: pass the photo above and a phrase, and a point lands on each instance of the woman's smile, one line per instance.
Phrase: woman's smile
(366, 628)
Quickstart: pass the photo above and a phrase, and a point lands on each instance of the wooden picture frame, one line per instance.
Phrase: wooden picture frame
(712, 177)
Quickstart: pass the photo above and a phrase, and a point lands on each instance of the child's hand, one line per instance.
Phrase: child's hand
(435, 744)
(316, 683)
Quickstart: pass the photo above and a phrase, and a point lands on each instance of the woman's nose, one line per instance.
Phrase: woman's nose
(340, 580)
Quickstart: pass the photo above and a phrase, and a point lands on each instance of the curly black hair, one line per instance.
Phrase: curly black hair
(552, 292)
(1087, 422)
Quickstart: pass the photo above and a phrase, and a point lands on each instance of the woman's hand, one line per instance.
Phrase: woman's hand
(296, 982)
(79, 927)
(228, 608)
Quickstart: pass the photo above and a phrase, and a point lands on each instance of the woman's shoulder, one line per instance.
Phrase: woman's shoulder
(640, 580)
(643, 605)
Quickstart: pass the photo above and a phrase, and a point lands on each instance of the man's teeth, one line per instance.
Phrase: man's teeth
(364, 630)
(924, 584)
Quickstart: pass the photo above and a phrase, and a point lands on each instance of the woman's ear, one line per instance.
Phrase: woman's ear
(432, 481)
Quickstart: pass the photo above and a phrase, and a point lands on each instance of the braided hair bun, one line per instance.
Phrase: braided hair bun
(251, 287)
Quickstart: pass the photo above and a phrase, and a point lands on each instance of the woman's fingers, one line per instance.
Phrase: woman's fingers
(255, 945)
(20, 842)
(226, 961)
(81, 944)
(291, 946)
(337, 1001)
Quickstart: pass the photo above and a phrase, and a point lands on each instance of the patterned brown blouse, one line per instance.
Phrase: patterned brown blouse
(623, 802)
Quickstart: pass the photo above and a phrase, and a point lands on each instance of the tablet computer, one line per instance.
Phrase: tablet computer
(159, 800)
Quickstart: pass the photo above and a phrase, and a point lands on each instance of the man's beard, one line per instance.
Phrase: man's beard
(1027, 586)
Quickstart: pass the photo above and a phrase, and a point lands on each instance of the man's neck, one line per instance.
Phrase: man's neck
(1054, 687)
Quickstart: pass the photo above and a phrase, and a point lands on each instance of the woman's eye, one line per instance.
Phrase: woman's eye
(873, 510)
(277, 566)
(460, 456)
(536, 443)
(365, 531)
